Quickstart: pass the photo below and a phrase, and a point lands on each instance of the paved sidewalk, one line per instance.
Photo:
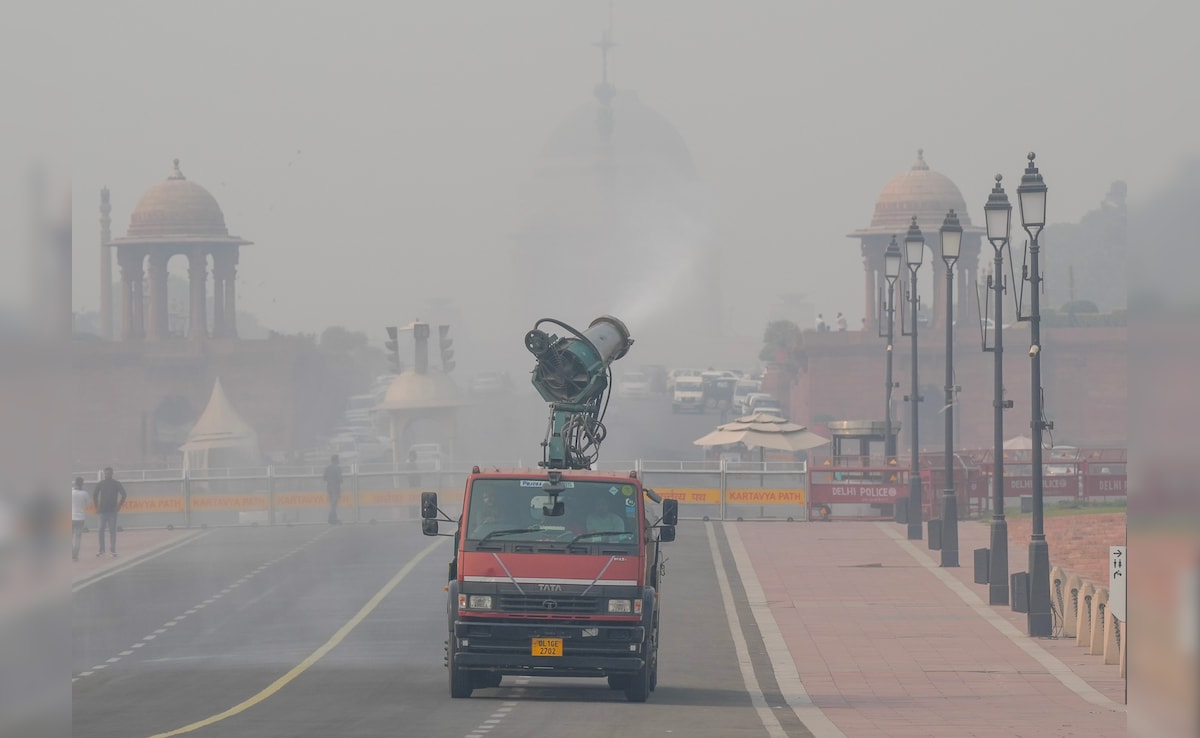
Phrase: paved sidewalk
(888, 644)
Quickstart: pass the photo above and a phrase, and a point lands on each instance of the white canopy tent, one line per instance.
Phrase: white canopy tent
(221, 437)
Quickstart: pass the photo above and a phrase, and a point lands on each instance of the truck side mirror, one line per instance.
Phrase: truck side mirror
(666, 533)
(429, 527)
(670, 512)
(429, 507)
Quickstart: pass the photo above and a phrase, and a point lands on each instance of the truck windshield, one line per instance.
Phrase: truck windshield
(520, 510)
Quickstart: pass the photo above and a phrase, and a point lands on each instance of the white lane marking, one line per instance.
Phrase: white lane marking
(769, 721)
(140, 560)
(315, 656)
(98, 667)
(113, 660)
(180, 618)
(1056, 668)
(125, 653)
(788, 678)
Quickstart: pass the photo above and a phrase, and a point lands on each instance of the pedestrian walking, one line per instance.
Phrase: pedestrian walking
(821, 326)
(108, 497)
(841, 322)
(79, 501)
(333, 487)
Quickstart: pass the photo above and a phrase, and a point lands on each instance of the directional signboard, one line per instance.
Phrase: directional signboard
(1118, 571)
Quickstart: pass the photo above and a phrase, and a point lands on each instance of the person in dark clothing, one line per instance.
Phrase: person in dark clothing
(108, 497)
(333, 486)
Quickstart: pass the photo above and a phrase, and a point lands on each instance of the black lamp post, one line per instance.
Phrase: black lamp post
(1031, 194)
(951, 244)
(999, 219)
(914, 251)
(891, 271)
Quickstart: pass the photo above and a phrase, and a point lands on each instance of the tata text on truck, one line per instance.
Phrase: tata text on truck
(557, 570)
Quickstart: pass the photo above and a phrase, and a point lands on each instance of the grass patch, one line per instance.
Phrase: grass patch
(1062, 509)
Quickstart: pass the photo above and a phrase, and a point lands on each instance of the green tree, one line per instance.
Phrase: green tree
(781, 341)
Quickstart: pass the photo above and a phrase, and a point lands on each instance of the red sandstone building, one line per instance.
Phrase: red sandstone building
(840, 375)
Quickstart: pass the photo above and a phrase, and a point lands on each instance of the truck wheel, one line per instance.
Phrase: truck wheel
(638, 687)
(618, 681)
(460, 679)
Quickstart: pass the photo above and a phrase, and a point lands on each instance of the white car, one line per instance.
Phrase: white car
(675, 374)
(688, 395)
(743, 389)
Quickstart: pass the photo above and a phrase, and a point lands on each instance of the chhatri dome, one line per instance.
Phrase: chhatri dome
(177, 209)
(929, 196)
(921, 192)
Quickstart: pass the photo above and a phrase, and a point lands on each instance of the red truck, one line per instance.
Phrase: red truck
(555, 573)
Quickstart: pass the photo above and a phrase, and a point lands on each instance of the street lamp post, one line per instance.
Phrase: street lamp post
(998, 213)
(951, 244)
(891, 271)
(1031, 194)
(914, 250)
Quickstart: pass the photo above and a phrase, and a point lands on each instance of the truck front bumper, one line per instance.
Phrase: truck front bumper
(588, 649)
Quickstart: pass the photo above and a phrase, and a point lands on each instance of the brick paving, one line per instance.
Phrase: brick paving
(885, 647)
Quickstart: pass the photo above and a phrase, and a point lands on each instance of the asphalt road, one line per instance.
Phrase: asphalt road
(338, 631)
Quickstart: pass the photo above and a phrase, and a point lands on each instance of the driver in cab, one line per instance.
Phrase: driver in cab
(602, 519)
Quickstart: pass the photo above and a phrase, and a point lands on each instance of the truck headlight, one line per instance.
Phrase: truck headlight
(620, 606)
(475, 602)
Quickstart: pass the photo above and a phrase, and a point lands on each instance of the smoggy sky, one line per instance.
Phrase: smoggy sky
(378, 154)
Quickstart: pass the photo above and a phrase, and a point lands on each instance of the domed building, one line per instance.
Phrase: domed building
(928, 195)
(619, 223)
(175, 217)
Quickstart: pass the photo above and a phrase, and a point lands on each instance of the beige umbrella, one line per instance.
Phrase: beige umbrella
(763, 431)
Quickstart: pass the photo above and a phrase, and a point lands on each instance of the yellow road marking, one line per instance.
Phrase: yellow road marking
(316, 656)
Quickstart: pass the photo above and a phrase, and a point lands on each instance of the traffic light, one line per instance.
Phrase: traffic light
(393, 349)
(446, 344)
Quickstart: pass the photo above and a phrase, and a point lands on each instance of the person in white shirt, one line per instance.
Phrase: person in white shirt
(79, 503)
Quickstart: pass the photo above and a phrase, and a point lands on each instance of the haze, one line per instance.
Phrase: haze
(380, 155)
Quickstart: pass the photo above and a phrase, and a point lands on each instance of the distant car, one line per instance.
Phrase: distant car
(633, 384)
(742, 389)
(675, 374)
(758, 401)
(490, 383)
(688, 395)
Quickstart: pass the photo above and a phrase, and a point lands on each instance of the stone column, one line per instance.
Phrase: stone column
(132, 326)
(124, 260)
(197, 300)
(231, 303)
(939, 289)
(157, 328)
(230, 293)
(218, 310)
(871, 270)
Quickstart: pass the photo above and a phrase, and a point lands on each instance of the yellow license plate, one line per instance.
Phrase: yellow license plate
(547, 647)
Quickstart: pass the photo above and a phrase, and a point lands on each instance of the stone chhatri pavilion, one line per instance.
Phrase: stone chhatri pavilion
(174, 217)
(928, 195)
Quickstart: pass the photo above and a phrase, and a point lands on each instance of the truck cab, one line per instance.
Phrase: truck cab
(555, 573)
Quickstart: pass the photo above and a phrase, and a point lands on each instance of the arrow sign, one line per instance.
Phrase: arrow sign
(1117, 575)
